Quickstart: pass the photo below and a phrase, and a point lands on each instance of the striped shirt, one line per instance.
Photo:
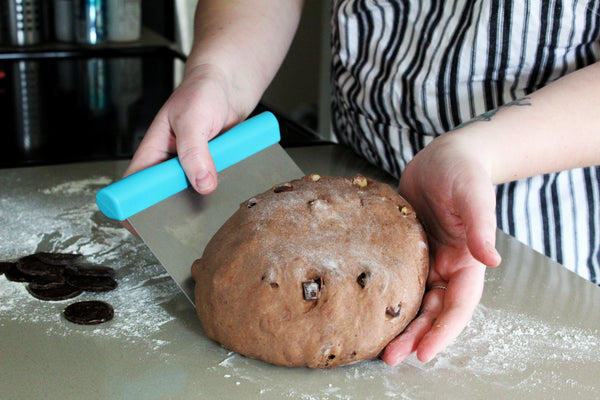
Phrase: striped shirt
(405, 71)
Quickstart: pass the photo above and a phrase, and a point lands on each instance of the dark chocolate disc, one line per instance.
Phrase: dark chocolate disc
(47, 281)
(89, 270)
(35, 267)
(6, 265)
(89, 312)
(14, 274)
(59, 258)
(54, 294)
(28, 258)
(92, 283)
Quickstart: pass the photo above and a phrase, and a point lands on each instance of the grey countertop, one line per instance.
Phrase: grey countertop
(536, 333)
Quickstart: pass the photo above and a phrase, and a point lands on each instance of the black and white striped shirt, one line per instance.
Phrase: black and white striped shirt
(405, 71)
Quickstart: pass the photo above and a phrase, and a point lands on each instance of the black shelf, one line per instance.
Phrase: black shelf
(69, 102)
(63, 102)
(150, 43)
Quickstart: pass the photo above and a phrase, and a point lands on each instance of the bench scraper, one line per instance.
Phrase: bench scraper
(176, 222)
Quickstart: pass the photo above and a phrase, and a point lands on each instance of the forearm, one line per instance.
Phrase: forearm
(555, 128)
(245, 40)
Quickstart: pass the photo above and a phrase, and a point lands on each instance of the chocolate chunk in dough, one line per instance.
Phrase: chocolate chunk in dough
(14, 274)
(58, 258)
(284, 187)
(89, 312)
(92, 283)
(363, 279)
(310, 290)
(55, 294)
(6, 265)
(393, 312)
(89, 270)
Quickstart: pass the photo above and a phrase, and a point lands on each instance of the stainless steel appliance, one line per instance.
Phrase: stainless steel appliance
(23, 20)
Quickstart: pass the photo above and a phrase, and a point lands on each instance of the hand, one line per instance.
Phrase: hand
(450, 188)
(199, 109)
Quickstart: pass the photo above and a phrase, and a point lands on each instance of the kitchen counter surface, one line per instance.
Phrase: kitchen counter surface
(535, 335)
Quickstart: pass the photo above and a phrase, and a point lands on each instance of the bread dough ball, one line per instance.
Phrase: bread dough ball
(317, 272)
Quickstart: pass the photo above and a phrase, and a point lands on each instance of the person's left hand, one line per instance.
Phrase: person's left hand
(450, 188)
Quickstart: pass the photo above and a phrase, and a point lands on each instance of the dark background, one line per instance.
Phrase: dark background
(62, 102)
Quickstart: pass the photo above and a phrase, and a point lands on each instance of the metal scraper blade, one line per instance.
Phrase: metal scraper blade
(178, 228)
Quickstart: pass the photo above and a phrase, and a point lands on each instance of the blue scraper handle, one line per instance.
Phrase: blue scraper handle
(138, 191)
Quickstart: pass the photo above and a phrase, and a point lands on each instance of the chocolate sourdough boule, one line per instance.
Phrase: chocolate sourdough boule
(317, 272)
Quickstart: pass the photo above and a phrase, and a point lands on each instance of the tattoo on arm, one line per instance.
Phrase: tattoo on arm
(487, 116)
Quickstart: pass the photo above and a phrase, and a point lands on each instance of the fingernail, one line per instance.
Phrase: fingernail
(492, 249)
(204, 181)
(427, 359)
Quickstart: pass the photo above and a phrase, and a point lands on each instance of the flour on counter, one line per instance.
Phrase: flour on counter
(82, 186)
(507, 351)
(501, 342)
(73, 224)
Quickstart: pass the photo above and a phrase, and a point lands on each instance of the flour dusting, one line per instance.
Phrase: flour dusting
(501, 342)
(64, 218)
(504, 350)
(78, 187)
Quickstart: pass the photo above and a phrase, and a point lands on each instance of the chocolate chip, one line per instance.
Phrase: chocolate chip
(310, 290)
(274, 285)
(284, 187)
(330, 358)
(363, 279)
(92, 283)
(393, 312)
(89, 312)
(54, 294)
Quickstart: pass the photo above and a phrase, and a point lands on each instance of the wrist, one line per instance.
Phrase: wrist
(468, 145)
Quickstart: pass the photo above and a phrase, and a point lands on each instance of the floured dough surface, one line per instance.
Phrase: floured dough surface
(317, 272)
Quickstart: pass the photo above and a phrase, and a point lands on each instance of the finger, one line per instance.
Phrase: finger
(406, 343)
(158, 145)
(460, 299)
(443, 331)
(195, 158)
(477, 209)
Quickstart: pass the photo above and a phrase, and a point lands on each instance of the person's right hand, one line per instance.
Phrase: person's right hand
(198, 110)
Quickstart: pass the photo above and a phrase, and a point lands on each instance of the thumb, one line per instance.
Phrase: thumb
(195, 158)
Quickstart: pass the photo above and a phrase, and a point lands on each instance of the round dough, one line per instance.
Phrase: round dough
(317, 272)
